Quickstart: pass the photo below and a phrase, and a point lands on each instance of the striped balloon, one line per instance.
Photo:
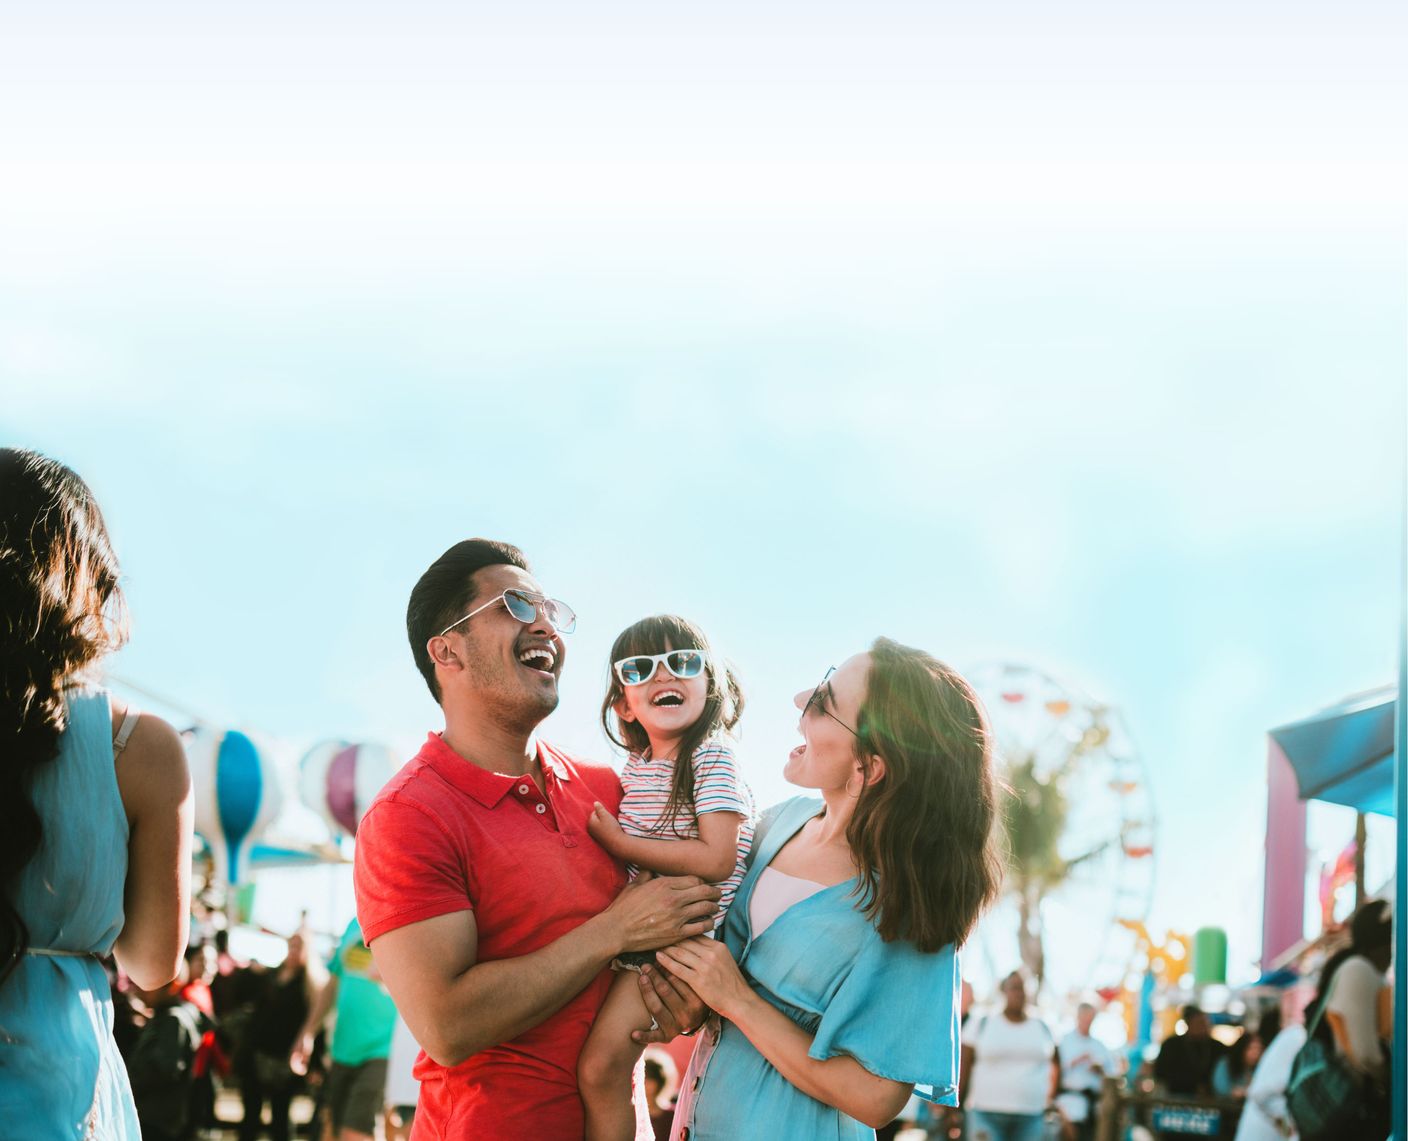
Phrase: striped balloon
(237, 793)
(338, 780)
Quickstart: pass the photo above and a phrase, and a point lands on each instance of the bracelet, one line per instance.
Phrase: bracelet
(697, 1029)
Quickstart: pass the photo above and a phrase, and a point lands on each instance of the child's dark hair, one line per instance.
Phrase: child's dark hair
(723, 702)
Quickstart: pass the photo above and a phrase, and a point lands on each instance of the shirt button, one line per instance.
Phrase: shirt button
(684, 1133)
(523, 790)
(540, 808)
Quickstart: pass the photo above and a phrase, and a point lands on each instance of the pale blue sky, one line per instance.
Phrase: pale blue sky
(1081, 345)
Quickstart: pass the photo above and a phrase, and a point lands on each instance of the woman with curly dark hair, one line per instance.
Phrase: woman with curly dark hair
(836, 981)
(95, 816)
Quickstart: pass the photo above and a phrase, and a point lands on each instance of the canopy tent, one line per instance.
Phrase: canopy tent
(1344, 754)
(1353, 754)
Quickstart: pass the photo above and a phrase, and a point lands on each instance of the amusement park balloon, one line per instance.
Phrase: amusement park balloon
(237, 793)
(339, 780)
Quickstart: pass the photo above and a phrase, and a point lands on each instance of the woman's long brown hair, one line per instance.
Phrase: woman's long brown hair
(61, 609)
(925, 835)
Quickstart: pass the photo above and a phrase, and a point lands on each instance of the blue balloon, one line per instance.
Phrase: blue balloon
(239, 789)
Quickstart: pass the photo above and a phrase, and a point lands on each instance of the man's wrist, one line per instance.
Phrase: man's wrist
(604, 937)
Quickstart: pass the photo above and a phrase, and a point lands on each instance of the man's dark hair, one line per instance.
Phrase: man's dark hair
(1191, 1011)
(446, 592)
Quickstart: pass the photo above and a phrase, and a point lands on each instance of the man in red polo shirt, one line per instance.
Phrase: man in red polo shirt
(490, 912)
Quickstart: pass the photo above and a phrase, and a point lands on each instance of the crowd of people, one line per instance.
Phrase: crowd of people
(534, 919)
(263, 1032)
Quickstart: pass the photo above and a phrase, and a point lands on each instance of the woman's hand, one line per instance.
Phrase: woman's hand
(708, 969)
(606, 830)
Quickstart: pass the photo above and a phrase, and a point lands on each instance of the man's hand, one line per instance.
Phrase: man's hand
(653, 913)
(674, 1007)
(606, 830)
(302, 1050)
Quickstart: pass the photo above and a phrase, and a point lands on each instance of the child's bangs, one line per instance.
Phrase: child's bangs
(657, 634)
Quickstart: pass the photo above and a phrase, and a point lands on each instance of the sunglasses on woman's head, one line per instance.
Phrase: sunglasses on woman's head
(524, 605)
(639, 669)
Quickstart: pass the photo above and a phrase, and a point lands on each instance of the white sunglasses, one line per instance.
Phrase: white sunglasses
(640, 668)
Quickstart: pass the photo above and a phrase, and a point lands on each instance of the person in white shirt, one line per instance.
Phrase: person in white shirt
(1009, 1070)
(1084, 1063)
(1264, 1115)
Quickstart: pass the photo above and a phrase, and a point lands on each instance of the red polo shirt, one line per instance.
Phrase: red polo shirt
(445, 835)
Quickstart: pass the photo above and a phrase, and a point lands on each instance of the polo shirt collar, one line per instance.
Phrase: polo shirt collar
(485, 787)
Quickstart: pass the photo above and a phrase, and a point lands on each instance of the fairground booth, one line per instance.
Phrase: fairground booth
(1350, 754)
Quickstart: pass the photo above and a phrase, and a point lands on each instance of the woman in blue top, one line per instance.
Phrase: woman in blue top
(95, 817)
(836, 982)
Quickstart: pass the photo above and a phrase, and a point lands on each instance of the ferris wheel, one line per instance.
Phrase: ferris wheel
(1086, 832)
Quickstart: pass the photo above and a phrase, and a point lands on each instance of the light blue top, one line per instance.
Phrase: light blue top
(60, 1073)
(889, 1006)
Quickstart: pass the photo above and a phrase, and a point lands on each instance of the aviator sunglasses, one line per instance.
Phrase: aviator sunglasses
(639, 669)
(525, 605)
(821, 695)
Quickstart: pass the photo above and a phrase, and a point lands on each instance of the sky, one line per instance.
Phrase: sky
(1068, 338)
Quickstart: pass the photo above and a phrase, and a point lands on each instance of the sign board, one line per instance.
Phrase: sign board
(1190, 1119)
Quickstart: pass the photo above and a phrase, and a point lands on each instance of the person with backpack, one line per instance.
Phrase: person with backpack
(1339, 1088)
(162, 1066)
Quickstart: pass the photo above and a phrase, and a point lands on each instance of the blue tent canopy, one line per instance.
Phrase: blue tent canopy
(1344, 754)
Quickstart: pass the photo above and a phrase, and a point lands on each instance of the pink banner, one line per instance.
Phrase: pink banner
(1283, 901)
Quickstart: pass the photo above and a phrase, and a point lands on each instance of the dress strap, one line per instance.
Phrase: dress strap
(124, 731)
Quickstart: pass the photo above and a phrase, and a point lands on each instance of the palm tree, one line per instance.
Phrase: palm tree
(1035, 816)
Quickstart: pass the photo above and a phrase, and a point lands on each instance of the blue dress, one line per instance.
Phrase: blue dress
(60, 1073)
(892, 1008)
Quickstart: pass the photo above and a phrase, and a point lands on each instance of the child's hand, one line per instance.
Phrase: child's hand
(604, 829)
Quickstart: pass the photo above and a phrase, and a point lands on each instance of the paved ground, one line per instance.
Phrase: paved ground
(229, 1112)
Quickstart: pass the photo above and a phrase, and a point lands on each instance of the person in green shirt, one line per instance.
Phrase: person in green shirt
(361, 1037)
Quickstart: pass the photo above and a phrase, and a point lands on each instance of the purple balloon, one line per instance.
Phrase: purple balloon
(342, 788)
